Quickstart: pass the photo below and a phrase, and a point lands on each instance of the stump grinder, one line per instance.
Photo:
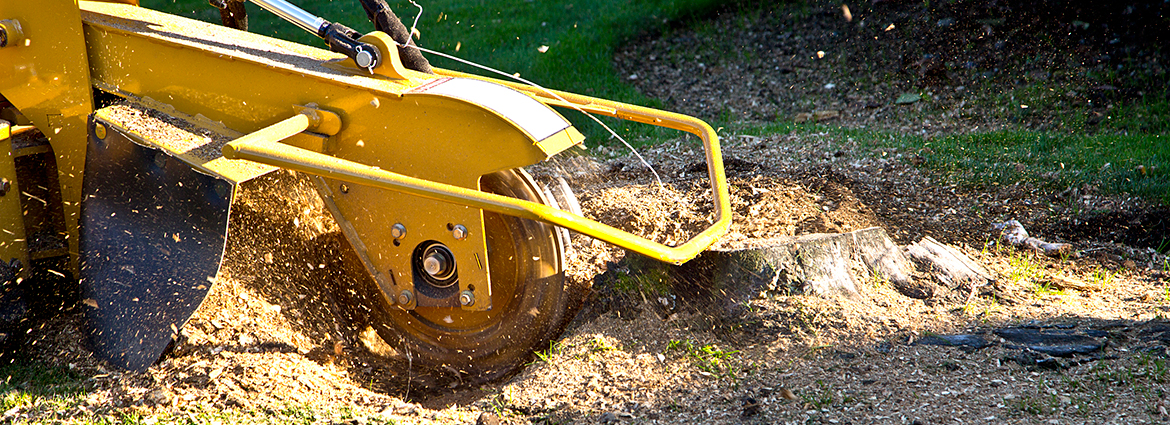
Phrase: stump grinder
(126, 133)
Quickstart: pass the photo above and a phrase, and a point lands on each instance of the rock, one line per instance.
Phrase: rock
(907, 98)
(751, 407)
(234, 400)
(487, 418)
(615, 417)
(160, 396)
(802, 117)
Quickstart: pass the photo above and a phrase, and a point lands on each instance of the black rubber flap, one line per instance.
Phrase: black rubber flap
(152, 237)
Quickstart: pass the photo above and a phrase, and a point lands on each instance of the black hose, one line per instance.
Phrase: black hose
(232, 13)
(386, 21)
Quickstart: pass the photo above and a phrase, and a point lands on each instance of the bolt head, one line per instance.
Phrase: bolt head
(398, 231)
(405, 297)
(459, 232)
(467, 298)
(433, 265)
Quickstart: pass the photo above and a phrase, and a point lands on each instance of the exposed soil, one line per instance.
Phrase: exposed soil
(274, 334)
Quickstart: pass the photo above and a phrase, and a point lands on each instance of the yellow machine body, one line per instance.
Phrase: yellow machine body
(398, 154)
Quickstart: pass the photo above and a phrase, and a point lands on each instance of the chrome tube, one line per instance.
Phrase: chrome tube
(294, 14)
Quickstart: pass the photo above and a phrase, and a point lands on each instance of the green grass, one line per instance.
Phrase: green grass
(710, 358)
(1134, 164)
(36, 389)
(1137, 164)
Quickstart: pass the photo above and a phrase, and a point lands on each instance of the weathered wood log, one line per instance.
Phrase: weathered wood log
(1014, 233)
(843, 263)
(949, 265)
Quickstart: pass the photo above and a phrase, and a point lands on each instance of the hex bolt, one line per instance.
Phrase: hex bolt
(459, 232)
(5, 186)
(344, 189)
(398, 231)
(405, 298)
(467, 298)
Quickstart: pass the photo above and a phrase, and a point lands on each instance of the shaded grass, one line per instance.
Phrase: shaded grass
(1133, 164)
(39, 389)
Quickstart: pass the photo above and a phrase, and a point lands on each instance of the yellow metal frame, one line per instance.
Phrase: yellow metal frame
(379, 121)
(264, 147)
(13, 244)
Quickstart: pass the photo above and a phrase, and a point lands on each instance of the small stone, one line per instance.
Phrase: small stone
(234, 400)
(1129, 265)
(487, 418)
(159, 396)
(908, 98)
(615, 417)
(750, 406)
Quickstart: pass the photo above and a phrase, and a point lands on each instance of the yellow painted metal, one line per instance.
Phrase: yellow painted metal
(281, 155)
(247, 82)
(13, 244)
(391, 65)
(437, 147)
(46, 76)
(197, 142)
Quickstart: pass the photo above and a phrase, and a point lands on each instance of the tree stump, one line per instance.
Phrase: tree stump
(842, 263)
(950, 266)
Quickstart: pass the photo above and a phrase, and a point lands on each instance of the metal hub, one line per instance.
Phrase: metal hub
(438, 262)
(435, 263)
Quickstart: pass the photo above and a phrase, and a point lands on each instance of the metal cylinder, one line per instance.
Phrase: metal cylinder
(294, 14)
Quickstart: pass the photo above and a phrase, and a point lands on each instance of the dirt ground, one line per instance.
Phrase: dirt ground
(273, 334)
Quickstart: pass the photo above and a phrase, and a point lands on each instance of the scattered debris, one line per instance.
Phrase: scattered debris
(1014, 233)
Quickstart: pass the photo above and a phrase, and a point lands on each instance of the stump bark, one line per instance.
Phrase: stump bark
(843, 263)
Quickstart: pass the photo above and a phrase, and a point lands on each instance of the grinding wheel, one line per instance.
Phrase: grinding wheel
(531, 297)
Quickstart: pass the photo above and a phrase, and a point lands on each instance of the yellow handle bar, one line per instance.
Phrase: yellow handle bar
(264, 146)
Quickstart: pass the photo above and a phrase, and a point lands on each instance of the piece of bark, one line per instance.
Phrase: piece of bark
(949, 265)
(1063, 282)
(1014, 233)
